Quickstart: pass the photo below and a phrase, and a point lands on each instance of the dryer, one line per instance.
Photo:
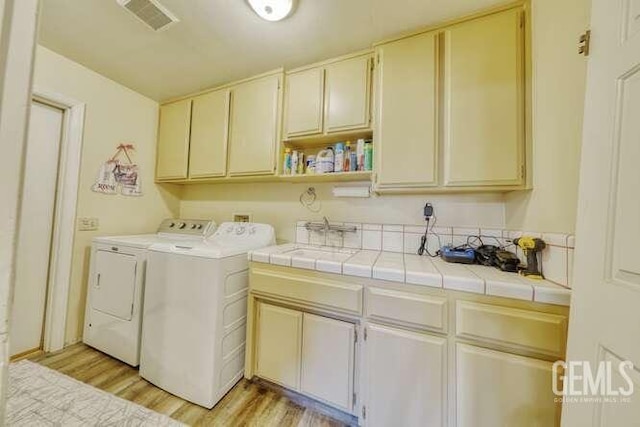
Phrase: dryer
(195, 309)
(116, 285)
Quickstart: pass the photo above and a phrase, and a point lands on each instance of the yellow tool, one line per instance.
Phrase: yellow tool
(531, 246)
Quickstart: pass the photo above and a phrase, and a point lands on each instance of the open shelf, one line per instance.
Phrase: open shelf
(328, 177)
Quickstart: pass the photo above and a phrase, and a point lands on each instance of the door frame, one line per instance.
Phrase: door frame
(64, 221)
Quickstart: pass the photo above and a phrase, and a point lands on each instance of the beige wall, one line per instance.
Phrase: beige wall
(279, 205)
(557, 106)
(114, 114)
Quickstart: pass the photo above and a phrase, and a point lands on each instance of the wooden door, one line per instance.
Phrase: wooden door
(501, 389)
(406, 129)
(328, 350)
(209, 132)
(484, 101)
(173, 140)
(604, 324)
(279, 344)
(304, 102)
(405, 378)
(254, 123)
(348, 87)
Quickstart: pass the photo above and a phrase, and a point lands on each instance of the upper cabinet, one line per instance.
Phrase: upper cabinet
(450, 107)
(483, 74)
(329, 98)
(173, 141)
(406, 128)
(254, 126)
(209, 132)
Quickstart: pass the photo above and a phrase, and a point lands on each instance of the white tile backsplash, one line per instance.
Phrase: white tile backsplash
(557, 258)
(371, 239)
(392, 241)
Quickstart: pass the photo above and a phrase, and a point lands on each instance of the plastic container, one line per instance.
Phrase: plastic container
(360, 155)
(310, 164)
(338, 161)
(368, 156)
(295, 158)
(324, 161)
(301, 165)
(353, 163)
(347, 157)
(286, 164)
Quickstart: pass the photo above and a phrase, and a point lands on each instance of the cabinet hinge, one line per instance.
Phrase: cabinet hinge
(131, 309)
(522, 171)
(365, 333)
(584, 43)
(364, 412)
(354, 399)
(522, 20)
(355, 336)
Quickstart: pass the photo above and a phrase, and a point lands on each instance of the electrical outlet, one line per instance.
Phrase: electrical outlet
(242, 217)
(88, 224)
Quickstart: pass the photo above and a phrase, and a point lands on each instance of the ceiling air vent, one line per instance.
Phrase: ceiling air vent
(150, 12)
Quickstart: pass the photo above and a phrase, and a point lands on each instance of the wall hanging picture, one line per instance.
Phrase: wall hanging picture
(119, 174)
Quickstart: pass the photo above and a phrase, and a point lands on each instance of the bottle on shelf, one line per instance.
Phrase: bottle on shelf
(286, 164)
(347, 157)
(294, 162)
(360, 155)
(301, 163)
(311, 164)
(324, 161)
(368, 156)
(338, 161)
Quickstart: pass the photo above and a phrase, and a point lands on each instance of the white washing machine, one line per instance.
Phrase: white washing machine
(195, 308)
(116, 283)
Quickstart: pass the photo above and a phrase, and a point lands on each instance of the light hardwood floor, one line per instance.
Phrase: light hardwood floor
(247, 404)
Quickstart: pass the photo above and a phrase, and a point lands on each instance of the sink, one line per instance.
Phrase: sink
(322, 253)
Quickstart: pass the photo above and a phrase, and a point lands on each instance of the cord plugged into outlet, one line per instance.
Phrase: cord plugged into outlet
(428, 212)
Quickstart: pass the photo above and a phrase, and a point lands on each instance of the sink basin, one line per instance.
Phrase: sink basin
(322, 253)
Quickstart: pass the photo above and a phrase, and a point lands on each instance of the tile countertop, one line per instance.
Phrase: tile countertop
(414, 269)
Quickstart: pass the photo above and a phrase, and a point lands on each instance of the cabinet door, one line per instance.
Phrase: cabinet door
(254, 121)
(406, 378)
(209, 131)
(501, 389)
(173, 140)
(278, 345)
(407, 99)
(484, 101)
(348, 94)
(304, 98)
(328, 348)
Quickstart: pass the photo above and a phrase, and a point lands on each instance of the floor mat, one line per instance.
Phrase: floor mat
(39, 396)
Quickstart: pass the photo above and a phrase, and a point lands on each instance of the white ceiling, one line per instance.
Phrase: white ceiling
(218, 41)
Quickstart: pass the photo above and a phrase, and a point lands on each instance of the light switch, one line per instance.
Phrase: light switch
(88, 224)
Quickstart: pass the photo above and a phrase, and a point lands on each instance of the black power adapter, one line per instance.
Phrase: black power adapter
(428, 214)
(428, 211)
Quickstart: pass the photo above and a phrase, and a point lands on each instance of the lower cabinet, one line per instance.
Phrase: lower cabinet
(405, 378)
(311, 354)
(278, 345)
(501, 389)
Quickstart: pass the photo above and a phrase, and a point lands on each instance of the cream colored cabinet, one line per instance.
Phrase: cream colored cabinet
(483, 101)
(405, 378)
(254, 126)
(304, 102)
(173, 141)
(279, 335)
(332, 97)
(209, 132)
(406, 130)
(328, 352)
(500, 389)
(347, 90)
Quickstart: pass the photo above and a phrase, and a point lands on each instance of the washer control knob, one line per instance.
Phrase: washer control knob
(193, 226)
(199, 227)
(173, 224)
(182, 225)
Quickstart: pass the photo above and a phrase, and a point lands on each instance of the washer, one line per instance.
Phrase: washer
(195, 308)
(116, 282)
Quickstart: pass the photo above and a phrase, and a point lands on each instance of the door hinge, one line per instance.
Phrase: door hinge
(364, 412)
(584, 43)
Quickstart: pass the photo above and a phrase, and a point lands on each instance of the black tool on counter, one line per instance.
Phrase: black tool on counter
(531, 246)
(486, 255)
(506, 261)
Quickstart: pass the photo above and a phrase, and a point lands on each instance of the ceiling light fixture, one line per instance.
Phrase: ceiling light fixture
(272, 10)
